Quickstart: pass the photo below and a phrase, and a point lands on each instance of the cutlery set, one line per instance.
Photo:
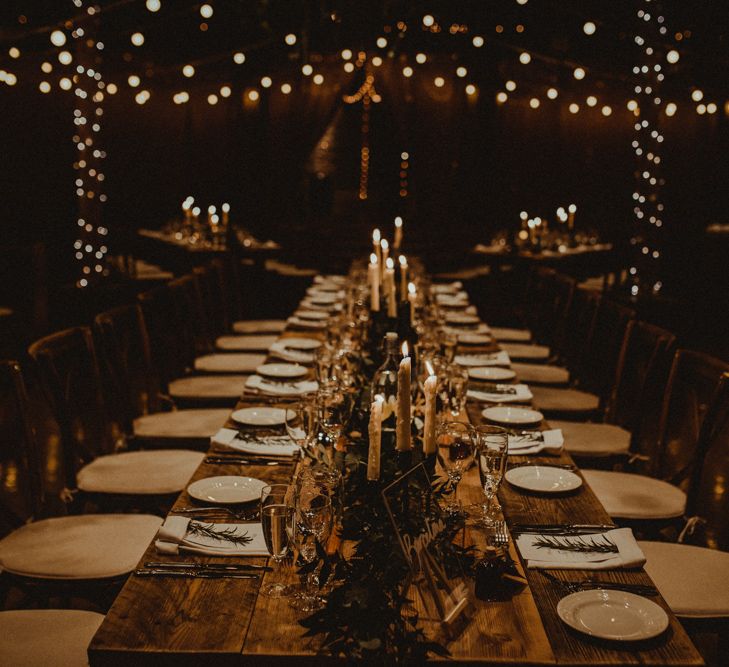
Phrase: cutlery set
(201, 570)
(574, 586)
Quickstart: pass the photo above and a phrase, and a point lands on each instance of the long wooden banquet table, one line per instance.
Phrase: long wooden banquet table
(160, 621)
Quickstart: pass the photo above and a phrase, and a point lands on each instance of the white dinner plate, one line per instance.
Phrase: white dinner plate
(474, 339)
(616, 615)
(324, 299)
(544, 479)
(462, 318)
(226, 490)
(261, 416)
(300, 343)
(491, 373)
(281, 370)
(508, 415)
(312, 315)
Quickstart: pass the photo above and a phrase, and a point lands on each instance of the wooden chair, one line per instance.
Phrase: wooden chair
(644, 360)
(59, 554)
(671, 461)
(93, 444)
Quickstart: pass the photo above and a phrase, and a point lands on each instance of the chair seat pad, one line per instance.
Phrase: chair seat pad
(49, 637)
(526, 351)
(229, 363)
(692, 579)
(593, 439)
(552, 399)
(259, 326)
(89, 546)
(208, 386)
(541, 373)
(158, 471)
(253, 343)
(514, 335)
(628, 496)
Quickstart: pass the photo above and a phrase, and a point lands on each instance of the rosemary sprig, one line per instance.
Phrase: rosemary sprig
(599, 545)
(226, 535)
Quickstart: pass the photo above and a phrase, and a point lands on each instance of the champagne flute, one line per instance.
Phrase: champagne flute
(301, 424)
(455, 453)
(276, 517)
(492, 443)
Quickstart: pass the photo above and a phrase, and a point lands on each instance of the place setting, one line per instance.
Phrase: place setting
(281, 379)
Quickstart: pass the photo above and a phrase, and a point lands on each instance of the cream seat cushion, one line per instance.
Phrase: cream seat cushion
(229, 363)
(628, 496)
(89, 546)
(47, 637)
(526, 351)
(254, 343)
(552, 399)
(158, 471)
(208, 386)
(692, 579)
(514, 335)
(541, 373)
(190, 424)
(593, 439)
(259, 326)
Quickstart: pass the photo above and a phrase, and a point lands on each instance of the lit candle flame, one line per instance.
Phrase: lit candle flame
(226, 208)
(211, 209)
(376, 236)
(384, 244)
(411, 288)
(405, 349)
(523, 215)
(398, 221)
(390, 264)
(373, 258)
(572, 208)
(429, 368)
(403, 260)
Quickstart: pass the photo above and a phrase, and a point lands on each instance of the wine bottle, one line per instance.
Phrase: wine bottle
(384, 382)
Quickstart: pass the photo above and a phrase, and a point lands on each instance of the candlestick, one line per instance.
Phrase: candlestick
(373, 275)
(412, 295)
(571, 218)
(376, 246)
(389, 287)
(211, 213)
(430, 387)
(403, 276)
(397, 242)
(375, 435)
(403, 442)
(385, 247)
(226, 212)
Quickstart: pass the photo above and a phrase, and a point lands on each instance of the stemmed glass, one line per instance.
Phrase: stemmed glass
(457, 388)
(276, 517)
(334, 408)
(301, 422)
(455, 453)
(492, 444)
(311, 525)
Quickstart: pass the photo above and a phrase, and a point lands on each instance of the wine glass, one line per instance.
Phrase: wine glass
(457, 388)
(301, 424)
(311, 525)
(455, 453)
(492, 443)
(334, 407)
(276, 517)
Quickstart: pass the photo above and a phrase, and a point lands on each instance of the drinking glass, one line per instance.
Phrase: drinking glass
(334, 407)
(455, 453)
(324, 363)
(492, 443)
(457, 388)
(276, 518)
(449, 342)
(301, 424)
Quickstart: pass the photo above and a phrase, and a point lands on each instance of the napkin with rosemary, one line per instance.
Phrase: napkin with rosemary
(259, 385)
(531, 442)
(182, 534)
(502, 393)
(607, 550)
(272, 445)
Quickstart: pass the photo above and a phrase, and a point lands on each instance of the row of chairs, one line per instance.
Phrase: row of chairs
(134, 400)
(648, 423)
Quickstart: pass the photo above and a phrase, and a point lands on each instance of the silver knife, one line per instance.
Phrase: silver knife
(223, 567)
(194, 574)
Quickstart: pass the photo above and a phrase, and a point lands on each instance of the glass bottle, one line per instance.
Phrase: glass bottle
(384, 382)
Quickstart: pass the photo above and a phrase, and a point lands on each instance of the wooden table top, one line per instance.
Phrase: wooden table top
(193, 621)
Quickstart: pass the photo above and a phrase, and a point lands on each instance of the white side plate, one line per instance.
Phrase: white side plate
(226, 490)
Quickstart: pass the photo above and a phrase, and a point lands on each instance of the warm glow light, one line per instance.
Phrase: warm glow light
(65, 58)
(111, 89)
(349, 68)
(266, 82)
(44, 87)
(133, 80)
(478, 41)
(510, 86)
(579, 73)
(632, 105)
(701, 109)
(225, 91)
(188, 71)
(420, 58)
(206, 11)
(534, 103)
(285, 88)
(10, 79)
(501, 97)
(407, 71)
(591, 101)
(46, 67)
(606, 110)
(14, 52)
(141, 97)
(239, 58)
(428, 20)
(439, 81)
(318, 79)
(290, 39)
(253, 95)
(58, 38)
(154, 5)
(381, 42)
(376, 61)
(470, 89)
(711, 107)
(346, 54)
(306, 70)
(137, 39)
(672, 56)
(552, 93)
(574, 108)
(65, 83)
(589, 28)
(461, 72)
(697, 95)
(671, 109)
(524, 58)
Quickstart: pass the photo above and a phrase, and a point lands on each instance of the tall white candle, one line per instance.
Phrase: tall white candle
(385, 247)
(403, 441)
(397, 241)
(376, 238)
(403, 276)
(412, 295)
(571, 218)
(375, 436)
(226, 213)
(430, 387)
(373, 274)
(389, 288)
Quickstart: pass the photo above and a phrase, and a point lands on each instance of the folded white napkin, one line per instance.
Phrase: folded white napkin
(306, 304)
(499, 358)
(629, 553)
(174, 536)
(279, 350)
(277, 445)
(521, 445)
(447, 288)
(306, 324)
(257, 383)
(481, 328)
(522, 395)
(334, 279)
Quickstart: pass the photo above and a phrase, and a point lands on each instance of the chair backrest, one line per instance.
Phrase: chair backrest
(191, 309)
(124, 353)
(211, 279)
(691, 388)
(599, 363)
(69, 369)
(578, 323)
(708, 495)
(21, 493)
(563, 291)
(640, 378)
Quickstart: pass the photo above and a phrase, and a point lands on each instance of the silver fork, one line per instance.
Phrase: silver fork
(241, 514)
(500, 538)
